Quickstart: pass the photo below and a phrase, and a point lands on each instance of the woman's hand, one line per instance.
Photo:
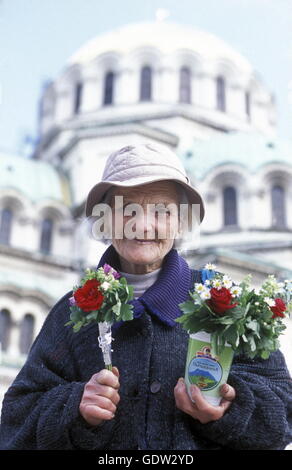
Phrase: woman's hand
(201, 409)
(100, 397)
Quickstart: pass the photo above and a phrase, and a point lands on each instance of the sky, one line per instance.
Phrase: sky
(37, 37)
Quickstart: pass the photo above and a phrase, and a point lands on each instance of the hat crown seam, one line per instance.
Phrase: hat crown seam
(106, 176)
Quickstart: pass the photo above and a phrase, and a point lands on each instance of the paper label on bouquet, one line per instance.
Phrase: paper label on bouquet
(205, 369)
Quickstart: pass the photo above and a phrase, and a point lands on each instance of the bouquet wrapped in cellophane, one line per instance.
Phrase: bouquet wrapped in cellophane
(102, 298)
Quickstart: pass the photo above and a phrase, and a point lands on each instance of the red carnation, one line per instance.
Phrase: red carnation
(279, 308)
(220, 300)
(89, 297)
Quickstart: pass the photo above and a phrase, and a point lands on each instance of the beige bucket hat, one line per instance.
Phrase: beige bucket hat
(141, 164)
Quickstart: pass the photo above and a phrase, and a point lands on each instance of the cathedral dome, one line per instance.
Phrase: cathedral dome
(167, 37)
(35, 180)
(157, 70)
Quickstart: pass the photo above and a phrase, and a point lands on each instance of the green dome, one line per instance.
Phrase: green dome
(250, 150)
(35, 179)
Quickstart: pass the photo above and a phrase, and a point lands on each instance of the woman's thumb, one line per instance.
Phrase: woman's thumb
(115, 371)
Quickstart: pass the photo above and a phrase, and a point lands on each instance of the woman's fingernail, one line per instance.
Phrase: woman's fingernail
(225, 388)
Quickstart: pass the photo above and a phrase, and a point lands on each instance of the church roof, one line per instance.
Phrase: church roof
(35, 179)
(167, 37)
(29, 281)
(250, 150)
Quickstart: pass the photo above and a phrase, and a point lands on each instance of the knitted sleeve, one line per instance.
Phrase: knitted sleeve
(260, 417)
(41, 408)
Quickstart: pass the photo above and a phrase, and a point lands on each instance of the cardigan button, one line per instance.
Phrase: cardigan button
(155, 386)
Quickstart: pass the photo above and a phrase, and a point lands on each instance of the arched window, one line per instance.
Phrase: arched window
(48, 102)
(5, 329)
(221, 93)
(146, 83)
(46, 235)
(185, 89)
(26, 333)
(229, 206)
(5, 225)
(108, 96)
(247, 104)
(278, 207)
(78, 97)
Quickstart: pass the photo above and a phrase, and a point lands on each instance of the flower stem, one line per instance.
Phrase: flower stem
(109, 367)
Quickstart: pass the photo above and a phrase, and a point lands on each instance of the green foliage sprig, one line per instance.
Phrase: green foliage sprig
(251, 322)
(102, 296)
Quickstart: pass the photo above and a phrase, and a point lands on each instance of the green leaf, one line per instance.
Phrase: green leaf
(109, 315)
(232, 336)
(131, 293)
(92, 316)
(226, 320)
(77, 326)
(252, 325)
(117, 308)
(187, 307)
(126, 312)
(182, 318)
(247, 309)
(252, 343)
(265, 354)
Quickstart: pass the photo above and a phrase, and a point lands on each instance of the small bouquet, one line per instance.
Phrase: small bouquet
(102, 298)
(228, 318)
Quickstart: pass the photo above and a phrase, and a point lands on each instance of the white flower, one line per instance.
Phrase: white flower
(199, 287)
(105, 285)
(257, 304)
(207, 282)
(269, 301)
(205, 294)
(217, 284)
(210, 267)
(227, 282)
(235, 291)
(280, 288)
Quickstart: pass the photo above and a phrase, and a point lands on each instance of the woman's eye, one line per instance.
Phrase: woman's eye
(163, 210)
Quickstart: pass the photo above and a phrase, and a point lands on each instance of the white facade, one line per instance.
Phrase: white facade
(78, 131)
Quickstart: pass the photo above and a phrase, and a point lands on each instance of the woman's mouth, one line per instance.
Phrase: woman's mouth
(144, 242)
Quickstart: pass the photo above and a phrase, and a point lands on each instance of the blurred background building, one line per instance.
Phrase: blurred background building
(151, 82)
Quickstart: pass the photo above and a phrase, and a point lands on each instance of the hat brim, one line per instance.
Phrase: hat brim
(98, 191)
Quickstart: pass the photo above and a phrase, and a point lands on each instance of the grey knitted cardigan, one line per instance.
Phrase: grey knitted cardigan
(41, 408)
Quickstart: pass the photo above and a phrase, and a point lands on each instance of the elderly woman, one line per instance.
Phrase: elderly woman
(63, 398)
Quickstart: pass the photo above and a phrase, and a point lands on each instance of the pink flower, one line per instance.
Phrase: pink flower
(72, 301)
(109, 270)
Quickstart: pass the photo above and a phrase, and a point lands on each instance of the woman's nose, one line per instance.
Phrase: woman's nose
(145, 223)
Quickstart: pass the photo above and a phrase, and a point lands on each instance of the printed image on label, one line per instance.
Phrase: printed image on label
(204, 369)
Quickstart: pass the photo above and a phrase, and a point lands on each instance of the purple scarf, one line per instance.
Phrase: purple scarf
(162, 298)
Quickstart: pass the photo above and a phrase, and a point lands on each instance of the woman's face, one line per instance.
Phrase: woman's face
(148, 234)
